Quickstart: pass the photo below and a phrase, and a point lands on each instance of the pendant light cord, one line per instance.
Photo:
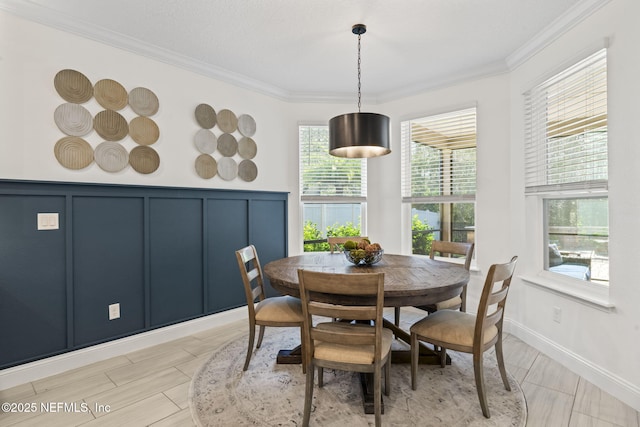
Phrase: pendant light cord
(359, 73)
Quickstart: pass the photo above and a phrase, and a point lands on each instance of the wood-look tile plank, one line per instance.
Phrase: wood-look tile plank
(190, 367)
(179, 419)
(546, 407)
(137, 390)
(518, 373)
(79, 373)
(549, 373)
(64, 418)
(167, 347)
(141, 413)
(179, 394)
(518, 353)
(591, 400)
(582, 420)
(134, 371)
(18, 392)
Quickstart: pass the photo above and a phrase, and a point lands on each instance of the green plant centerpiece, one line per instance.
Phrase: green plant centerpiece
(363, 252)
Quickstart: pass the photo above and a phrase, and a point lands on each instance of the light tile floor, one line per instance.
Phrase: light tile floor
(150, 388)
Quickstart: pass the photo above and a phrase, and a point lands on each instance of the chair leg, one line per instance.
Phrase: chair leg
(414, 360)
(478, 370)
(308, 396)
(377, 396)
(387, 377)
(396, 316)
(320, 376)
(304, 360)
(260, 336)
(443, 357)
(500, 358)
(252, 334)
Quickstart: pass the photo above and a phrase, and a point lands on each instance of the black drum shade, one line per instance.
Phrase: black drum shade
(357, 135)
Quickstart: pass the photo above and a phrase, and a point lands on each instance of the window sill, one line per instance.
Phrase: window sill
(597, 297)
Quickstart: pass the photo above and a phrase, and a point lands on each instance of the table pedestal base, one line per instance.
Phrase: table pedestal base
(290, 357)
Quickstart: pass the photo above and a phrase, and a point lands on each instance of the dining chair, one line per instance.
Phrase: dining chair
(364, 346)
(450, 249)
(284, 311)
(336, 241)
(468, 333)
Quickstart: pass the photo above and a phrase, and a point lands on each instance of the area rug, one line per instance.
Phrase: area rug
(268, 394)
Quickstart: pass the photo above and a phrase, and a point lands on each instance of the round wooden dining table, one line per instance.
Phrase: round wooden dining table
(409, 280)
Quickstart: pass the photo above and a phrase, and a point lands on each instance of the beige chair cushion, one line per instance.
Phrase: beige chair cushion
(450, 303)
(448, 326)
(361, 354)
(280, 309)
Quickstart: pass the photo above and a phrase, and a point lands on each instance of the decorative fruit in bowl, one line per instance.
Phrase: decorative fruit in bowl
(363, 253)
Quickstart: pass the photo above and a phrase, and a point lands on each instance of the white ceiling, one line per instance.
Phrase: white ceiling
(304, 49)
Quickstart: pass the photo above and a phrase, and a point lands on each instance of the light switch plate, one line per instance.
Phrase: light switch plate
(48, 221)
(114, 311)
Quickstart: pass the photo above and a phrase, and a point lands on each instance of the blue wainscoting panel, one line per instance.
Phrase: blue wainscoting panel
(227, 232)
(268, 226)
(176, 248)
(165, 254)
(33, 302)
(108, 266)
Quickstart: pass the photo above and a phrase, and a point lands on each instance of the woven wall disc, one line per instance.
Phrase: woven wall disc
(246, 125)
(247, 170)
(73, 86)
(110, 125)
(206, 166)
(227, 121)
(227, 145)
(247, 148)
(205, 116)
(144, 159)
(73, 152)
(227, 168)
(144, 131)
(206, 141)
(143, 102)
(110, 94)
(111, 156)
(73, 119)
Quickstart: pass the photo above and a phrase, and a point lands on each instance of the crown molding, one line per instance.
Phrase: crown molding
(554, 30)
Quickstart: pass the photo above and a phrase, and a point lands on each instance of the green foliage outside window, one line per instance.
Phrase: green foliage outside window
(311, 232)
(421, 236)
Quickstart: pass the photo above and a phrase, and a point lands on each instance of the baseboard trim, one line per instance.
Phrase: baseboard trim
(607, 381)
(39, 369)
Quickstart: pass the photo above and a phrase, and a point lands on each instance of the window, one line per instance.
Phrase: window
(439, 177)
(333, 190)
(566, 167)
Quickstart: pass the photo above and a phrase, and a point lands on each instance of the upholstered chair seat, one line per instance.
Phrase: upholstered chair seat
(452, 327)
(284, 309)
(343, 353)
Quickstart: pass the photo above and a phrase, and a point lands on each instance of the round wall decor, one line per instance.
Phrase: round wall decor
(110, 125)
(73, 152)
(73, 119)
(227, 145)
(110, 94)
(247, 148)
(246, 125)
(144, 131)
(206, 166)
(143, 101)
(227, 121)
(111, 156)
(206, 141)
(247, 170)
(144, 159)
(205, 116)
(227, 168)
(73, 86)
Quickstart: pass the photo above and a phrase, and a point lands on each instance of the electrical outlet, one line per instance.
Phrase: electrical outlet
(114, 311)
(557, 314)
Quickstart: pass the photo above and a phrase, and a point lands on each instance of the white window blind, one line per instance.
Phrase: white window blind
(566, 130)
(326, 178)
(439, 157)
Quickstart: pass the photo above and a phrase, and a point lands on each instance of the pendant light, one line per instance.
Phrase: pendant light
(357, 135)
